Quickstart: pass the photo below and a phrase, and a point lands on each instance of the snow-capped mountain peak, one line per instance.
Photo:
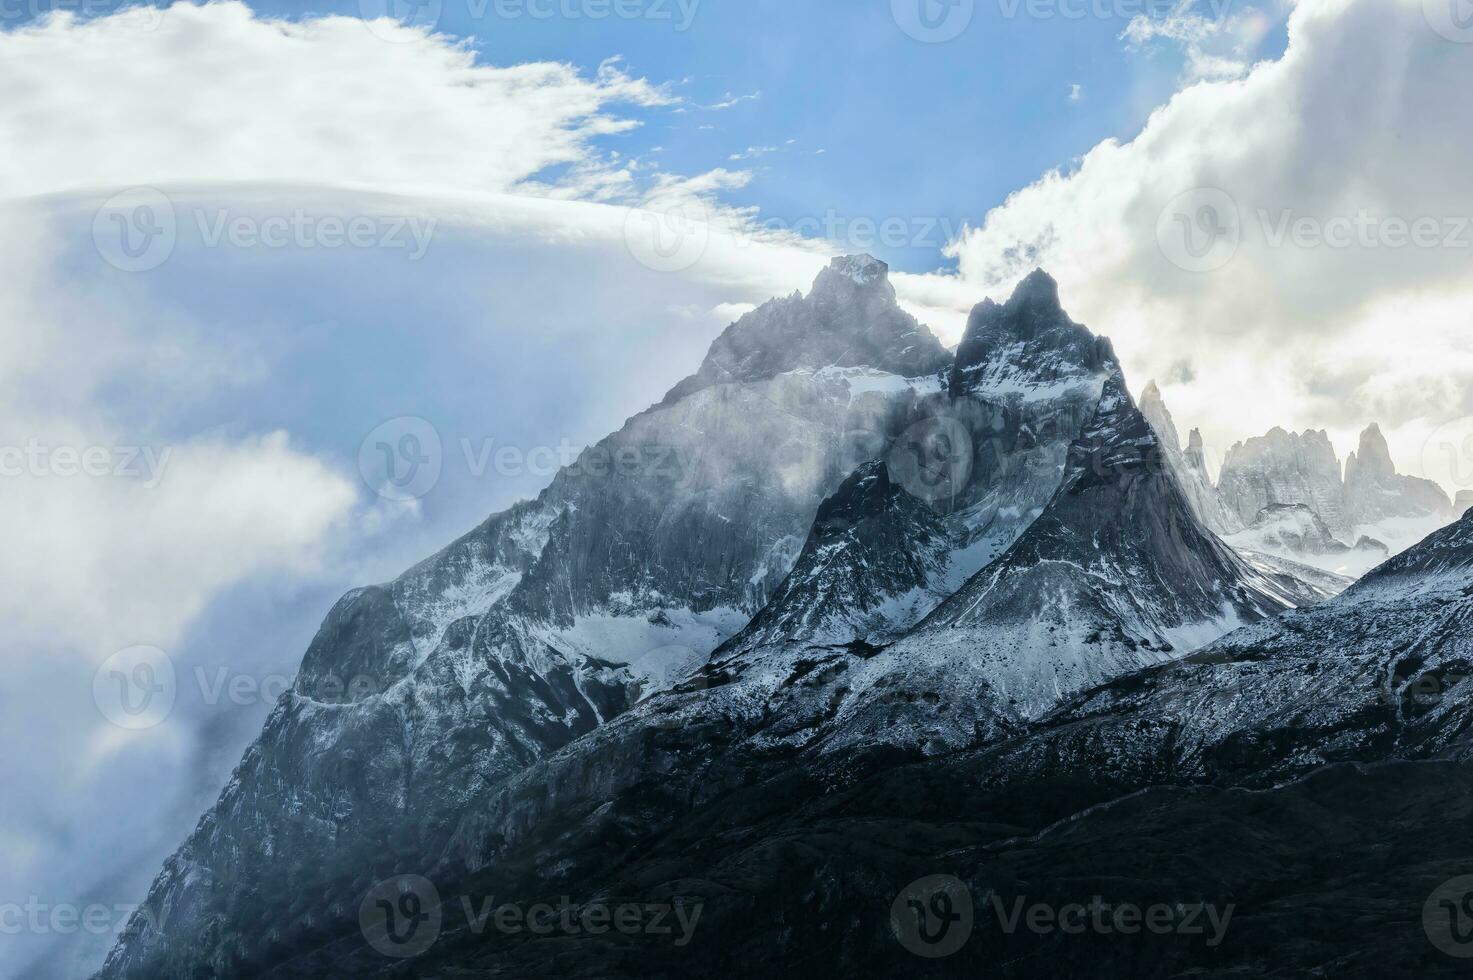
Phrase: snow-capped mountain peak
(862, 269)
(1026, 348)
(850, 318)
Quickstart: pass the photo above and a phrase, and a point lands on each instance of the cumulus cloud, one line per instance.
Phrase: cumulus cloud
(1257, 236)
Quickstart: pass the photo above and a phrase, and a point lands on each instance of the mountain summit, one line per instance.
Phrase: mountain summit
(849, 319)
(1027, 346)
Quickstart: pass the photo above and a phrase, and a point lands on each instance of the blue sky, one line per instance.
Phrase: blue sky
(923, 131)
(934, 130)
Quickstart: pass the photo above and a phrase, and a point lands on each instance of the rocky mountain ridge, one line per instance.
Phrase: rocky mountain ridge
(1321, 757)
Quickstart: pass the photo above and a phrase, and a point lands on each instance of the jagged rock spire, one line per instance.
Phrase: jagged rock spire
(1025, 343)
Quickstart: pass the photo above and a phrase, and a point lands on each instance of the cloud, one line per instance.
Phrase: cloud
(291, 101)
(1326, 325)
(1217, 37)
(729, 101)
(753, 152)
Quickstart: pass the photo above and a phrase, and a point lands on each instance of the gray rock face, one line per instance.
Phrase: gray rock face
(1464, 503)
(873, 545)
(1117, 573)
(1189, 465)
(1285, 468)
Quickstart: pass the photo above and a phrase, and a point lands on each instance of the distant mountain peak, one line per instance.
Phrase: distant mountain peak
(1039, 288)
(1373, 457)
(1282, 467)
(1153, 407)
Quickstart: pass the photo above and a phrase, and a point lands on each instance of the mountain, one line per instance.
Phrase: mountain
(1295, 532)
(542, 710)
(1188, 465)
(862, 572)
(849, 319)
(1464, 503)
(1320, 759)
(1316, 760)
(653, 547)
(1376, 495)
(1117, 573)
(1285, 468)
(972, 468)
(1028, 347)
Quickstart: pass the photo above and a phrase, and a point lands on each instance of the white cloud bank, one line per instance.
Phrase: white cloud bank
(215, 93)
(1362, 123)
